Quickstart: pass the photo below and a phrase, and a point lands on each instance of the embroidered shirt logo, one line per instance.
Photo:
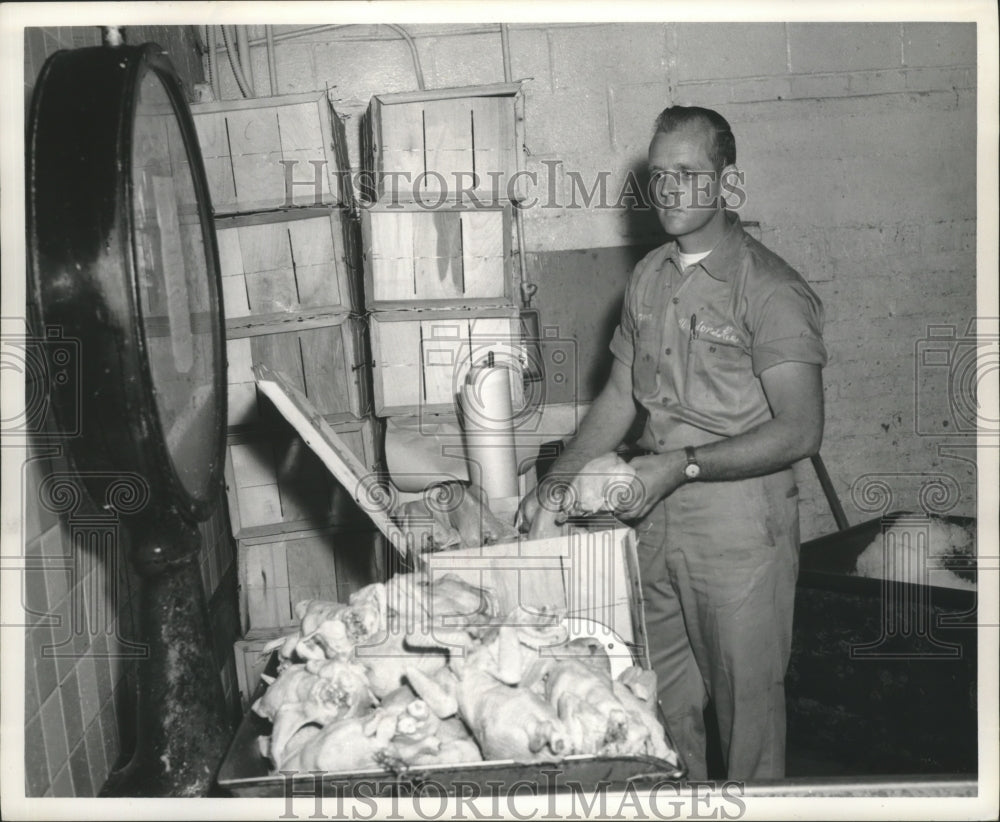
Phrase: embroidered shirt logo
(725, 334)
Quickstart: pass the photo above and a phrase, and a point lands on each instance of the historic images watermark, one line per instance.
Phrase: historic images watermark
(552, 792)
(430, 190)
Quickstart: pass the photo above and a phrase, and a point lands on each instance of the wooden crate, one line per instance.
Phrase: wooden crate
(455, 257)
(422, 357)
(592, 575)
(251, 661)
(275, 483)
(276, 572)
(325, 356)
(274, 263)
(247, 145)
(444, 143)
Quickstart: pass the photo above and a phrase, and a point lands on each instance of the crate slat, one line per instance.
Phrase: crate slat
(286, 265)
(247, 144)
(275, 483)
(448, 258)
(483, 244)
(467, 136)
(444, 346)
(589, 574)
(278, 571)
(493, 120)
(397, 380)
(448, 145)
(421, 357)
(325, 357)
(251, 662)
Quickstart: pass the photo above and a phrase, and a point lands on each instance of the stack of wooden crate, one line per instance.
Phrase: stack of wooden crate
(436, 231)
(292, 298)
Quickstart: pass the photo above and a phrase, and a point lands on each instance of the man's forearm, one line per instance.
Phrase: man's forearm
(602, 429)
(769, 447)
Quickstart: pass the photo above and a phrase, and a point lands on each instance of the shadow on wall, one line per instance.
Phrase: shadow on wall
(580, 292)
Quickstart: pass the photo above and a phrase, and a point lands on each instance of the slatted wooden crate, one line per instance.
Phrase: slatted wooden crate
(444, 143)
(422, 357)
(253, 149)
(275, 573)
(276, 484)
(591, 575)
(448, 257)
(325, 356)
(289, 261)
(251, 661)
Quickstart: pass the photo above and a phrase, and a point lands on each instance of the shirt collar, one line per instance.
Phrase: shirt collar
(721, 262)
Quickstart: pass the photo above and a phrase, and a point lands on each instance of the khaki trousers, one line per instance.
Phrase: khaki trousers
(719, 562)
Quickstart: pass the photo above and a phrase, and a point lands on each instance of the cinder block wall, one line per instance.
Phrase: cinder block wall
(858, 144)
(81, 606)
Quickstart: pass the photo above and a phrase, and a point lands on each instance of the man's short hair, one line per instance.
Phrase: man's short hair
(722, 147)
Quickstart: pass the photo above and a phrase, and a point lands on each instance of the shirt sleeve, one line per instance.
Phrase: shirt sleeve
(787, 326)
(621, 341)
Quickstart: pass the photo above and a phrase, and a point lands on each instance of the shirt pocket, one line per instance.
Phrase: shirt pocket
(717, 375)
(648, 330)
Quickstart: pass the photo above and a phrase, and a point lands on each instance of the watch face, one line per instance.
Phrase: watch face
(174, 286)
(691, 471)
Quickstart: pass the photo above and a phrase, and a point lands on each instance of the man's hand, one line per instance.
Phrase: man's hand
(657, 476)
(536, 520)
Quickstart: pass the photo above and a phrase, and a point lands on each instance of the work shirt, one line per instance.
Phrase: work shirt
(698, 340)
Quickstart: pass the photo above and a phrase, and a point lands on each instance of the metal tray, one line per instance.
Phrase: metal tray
(246, 773)
(828, 562)
(882, 677)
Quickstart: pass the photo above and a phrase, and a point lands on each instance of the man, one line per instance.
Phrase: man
(720, 343)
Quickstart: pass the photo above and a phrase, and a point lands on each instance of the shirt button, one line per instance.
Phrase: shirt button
(662, 442)
(676, 300)
(666, 351)
(646, 357)
(711, 348)
(664, 400)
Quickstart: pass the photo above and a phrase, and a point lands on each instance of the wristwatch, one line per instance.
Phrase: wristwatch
(692, 470)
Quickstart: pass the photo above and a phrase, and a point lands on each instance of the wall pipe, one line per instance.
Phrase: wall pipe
(505, 48)
(286, 35)
(243, 48)
(213, 63)
(522, 263)
(413, 53)
(272, 65)
(241, 81)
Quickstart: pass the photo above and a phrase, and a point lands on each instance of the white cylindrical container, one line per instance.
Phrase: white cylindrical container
(488, 421)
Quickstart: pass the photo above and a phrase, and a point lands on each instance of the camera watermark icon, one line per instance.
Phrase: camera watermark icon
(537, 366)
(50, 362)
(951, 367)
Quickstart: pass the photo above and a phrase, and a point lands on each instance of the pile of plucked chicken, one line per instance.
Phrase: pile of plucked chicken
(421, 672)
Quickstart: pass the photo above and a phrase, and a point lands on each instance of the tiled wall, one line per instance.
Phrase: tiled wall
(81, 603)
(858, 144)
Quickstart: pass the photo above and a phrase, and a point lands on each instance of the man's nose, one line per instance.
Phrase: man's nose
(669, 190)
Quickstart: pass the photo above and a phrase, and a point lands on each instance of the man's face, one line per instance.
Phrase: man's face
(686, 185)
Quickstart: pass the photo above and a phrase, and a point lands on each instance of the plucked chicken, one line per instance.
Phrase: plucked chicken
(932, 551)
(420, 672)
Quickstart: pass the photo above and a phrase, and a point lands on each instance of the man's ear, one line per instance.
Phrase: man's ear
(731, 187)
